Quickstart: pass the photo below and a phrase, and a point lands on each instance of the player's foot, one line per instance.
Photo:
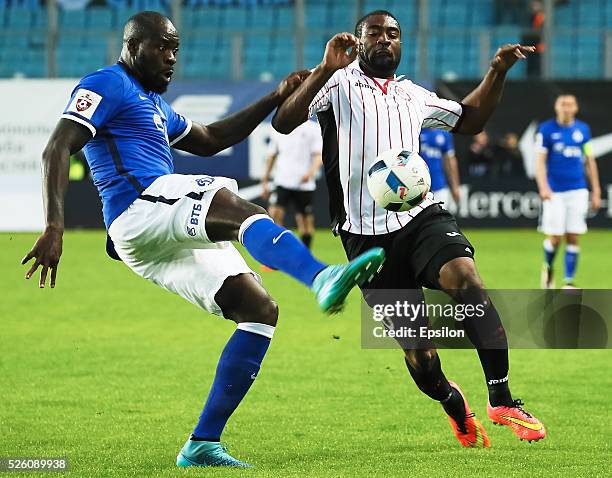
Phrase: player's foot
(547, 280)
(468, 429)
(332, 284)
(207, 453)
(525, 426)
(569, 284)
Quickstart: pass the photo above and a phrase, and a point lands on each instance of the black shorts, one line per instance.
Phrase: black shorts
(415, 253)
(301, 200)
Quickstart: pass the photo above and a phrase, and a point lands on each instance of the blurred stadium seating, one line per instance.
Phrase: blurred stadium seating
(459, 31)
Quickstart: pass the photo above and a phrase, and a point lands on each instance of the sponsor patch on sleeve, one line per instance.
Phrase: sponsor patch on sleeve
(85, 103)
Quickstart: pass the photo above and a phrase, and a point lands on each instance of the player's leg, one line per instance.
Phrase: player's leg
(577, 206)
(243, 300)
(420, 356)
(230, 217)
(460, 279)
(277, 206)
(552, 224)
(304, 216)
(551, 246)
(572, 251)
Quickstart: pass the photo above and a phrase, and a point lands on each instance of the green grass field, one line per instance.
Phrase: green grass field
(111, 372)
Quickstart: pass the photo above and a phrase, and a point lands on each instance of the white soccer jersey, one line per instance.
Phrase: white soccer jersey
(294, 155)
(360, 118)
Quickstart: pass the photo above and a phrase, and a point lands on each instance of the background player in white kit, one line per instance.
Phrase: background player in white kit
(296, 161)
(564, 162)
(364, 109)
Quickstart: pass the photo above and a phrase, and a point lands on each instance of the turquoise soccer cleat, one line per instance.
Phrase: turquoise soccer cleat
(332, 284)
(207, 453)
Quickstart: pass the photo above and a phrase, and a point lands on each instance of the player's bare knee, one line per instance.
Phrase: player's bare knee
(571, 239)
(460, 274)
(263, 312)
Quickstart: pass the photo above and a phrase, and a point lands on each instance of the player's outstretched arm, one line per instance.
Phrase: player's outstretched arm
(294, 111)
(67, 138)
(479, 105)
(208, 140)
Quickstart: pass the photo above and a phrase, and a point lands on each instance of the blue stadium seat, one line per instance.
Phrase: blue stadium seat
(72, 19)
(235, 18)
(99, 18)
(39, 19)
(316, 16)
(285, 17)
(19, 18)
(261, 17)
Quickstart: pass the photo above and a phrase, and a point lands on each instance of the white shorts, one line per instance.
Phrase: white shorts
(565, 212)
(163, 239)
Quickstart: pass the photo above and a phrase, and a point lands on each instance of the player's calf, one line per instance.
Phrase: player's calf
(461, 281)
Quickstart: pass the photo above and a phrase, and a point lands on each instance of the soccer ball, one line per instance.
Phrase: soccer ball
(399, 180)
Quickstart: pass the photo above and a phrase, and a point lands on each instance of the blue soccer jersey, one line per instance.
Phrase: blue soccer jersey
(132, 133)
(564, 147)
(435, 144)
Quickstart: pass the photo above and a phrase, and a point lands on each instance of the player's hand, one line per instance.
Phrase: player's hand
(507, 55)
(456, 193)
(545, 194)
(336, 55)
(595, 201)
(46, 253)
(291, 83)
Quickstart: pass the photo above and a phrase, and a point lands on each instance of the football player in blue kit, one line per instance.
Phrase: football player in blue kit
(438, 151)
(175, 230)
(564, 163)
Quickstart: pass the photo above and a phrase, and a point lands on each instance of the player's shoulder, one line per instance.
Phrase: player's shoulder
(113, 74)
(582, 125)
(548, 126)
(412, 87)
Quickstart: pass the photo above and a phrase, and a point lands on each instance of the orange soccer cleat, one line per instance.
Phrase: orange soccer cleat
(525, 426)
(471, 433)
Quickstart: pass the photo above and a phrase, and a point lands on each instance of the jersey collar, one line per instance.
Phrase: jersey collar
(381, 83)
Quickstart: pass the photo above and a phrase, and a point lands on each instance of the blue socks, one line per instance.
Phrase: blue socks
(549, 252)
(236, 371)
(571, 260)
(278, 248)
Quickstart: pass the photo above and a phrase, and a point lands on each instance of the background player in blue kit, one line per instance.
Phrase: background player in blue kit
(563, 157)
(438, 151)
(175, 229)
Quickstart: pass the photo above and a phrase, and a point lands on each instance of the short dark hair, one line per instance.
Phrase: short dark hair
(143, 24)
(362, 20)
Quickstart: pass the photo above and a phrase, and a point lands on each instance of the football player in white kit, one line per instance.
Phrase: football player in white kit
(564, 163)
(296, 159)
(364, 109)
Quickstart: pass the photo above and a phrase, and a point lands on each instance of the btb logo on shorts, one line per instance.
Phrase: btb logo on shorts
(194, 219)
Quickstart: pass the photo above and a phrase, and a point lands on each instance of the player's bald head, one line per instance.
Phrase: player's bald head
(147, 25)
